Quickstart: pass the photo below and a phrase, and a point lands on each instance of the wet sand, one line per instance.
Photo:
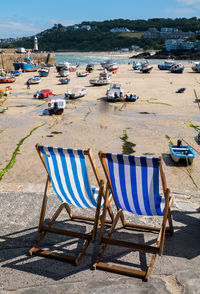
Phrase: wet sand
(93, 122)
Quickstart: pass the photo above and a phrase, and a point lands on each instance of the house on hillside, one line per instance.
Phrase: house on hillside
(120, 30)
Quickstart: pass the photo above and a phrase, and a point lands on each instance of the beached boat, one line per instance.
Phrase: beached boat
(43, 94)
(113, 67)
(146, 68)
(196, 66)
(28, 65)
(64, 72)
(181, 90)
(166, 65)
(136, 65)
(64, 81)
(76, 93)
(101, 81)
(177, 68)
(181, 152)
(115, 92)
(82, 74)
(44, 71)
(90, 67)
(7, 79)
(67, 65)
(6, 90)
(16, 73)
(130, 97)
(56, 105)
(35, 80)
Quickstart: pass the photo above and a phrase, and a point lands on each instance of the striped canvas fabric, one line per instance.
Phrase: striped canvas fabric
(69, 177)
(135, 183)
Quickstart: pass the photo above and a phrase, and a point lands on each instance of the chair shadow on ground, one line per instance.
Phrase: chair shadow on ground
(15, 248)
(185, 243)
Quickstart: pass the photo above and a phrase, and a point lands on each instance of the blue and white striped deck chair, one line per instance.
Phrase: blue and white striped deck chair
(67, 172)
(134, 184)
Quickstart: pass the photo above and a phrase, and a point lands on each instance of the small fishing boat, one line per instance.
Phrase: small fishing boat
(64, 81)
(82, 74)
(101, 81)
(136, 65)
(43, 94)
(76, 93)
(166, 65)
(90, 67)
(28, 65)
(64, 71)
(181, 90)
(115, 92)
(5, 90)
(43, 71)
(146, 68)
(67, 65)
(56, 105)
(35, 80)
(113, 67)
(16, 73)
(182, 152)
(177, 68)
(7, 79)
(196, 66)
(130, 97)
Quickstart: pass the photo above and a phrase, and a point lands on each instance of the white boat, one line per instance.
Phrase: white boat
(100, 81)
(67, 65)
(76, 93)
(113, 67)
(146, 68)
(166, 65)
(35, 80)
(196, 66)
(177, 68)
(64, 71)
(56, 105)
(115, 92)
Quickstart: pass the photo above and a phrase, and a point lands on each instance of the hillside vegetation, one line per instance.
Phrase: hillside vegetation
(99, 38)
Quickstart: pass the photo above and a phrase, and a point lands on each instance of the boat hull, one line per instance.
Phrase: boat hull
(183, 153)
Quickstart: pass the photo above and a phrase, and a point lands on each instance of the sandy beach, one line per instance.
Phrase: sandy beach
(92, 122)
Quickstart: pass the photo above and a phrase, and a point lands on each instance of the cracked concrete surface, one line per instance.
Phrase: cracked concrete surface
(177, 271)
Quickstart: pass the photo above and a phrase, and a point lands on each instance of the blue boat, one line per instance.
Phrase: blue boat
(136, 65)
(43, 71)
(16, 73)
(166, 65)
(28, 65)
(181, 152)
(177, 68)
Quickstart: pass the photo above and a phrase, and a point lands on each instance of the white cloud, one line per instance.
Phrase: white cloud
(11, 28)
(189, 2)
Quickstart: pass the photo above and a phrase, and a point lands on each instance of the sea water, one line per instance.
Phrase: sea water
(85, 59)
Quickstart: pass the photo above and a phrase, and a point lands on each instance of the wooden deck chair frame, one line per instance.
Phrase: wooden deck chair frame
(157, 249)
(43, 229)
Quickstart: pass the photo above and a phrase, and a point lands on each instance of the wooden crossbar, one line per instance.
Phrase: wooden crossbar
(143, 247)
(66, 233)
(120, 270)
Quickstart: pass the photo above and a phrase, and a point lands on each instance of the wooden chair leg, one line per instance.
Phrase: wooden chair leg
(103, 248)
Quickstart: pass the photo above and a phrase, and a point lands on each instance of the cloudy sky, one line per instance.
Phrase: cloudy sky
(28, 17)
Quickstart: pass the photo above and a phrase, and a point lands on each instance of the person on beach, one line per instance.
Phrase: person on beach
(28, 84)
